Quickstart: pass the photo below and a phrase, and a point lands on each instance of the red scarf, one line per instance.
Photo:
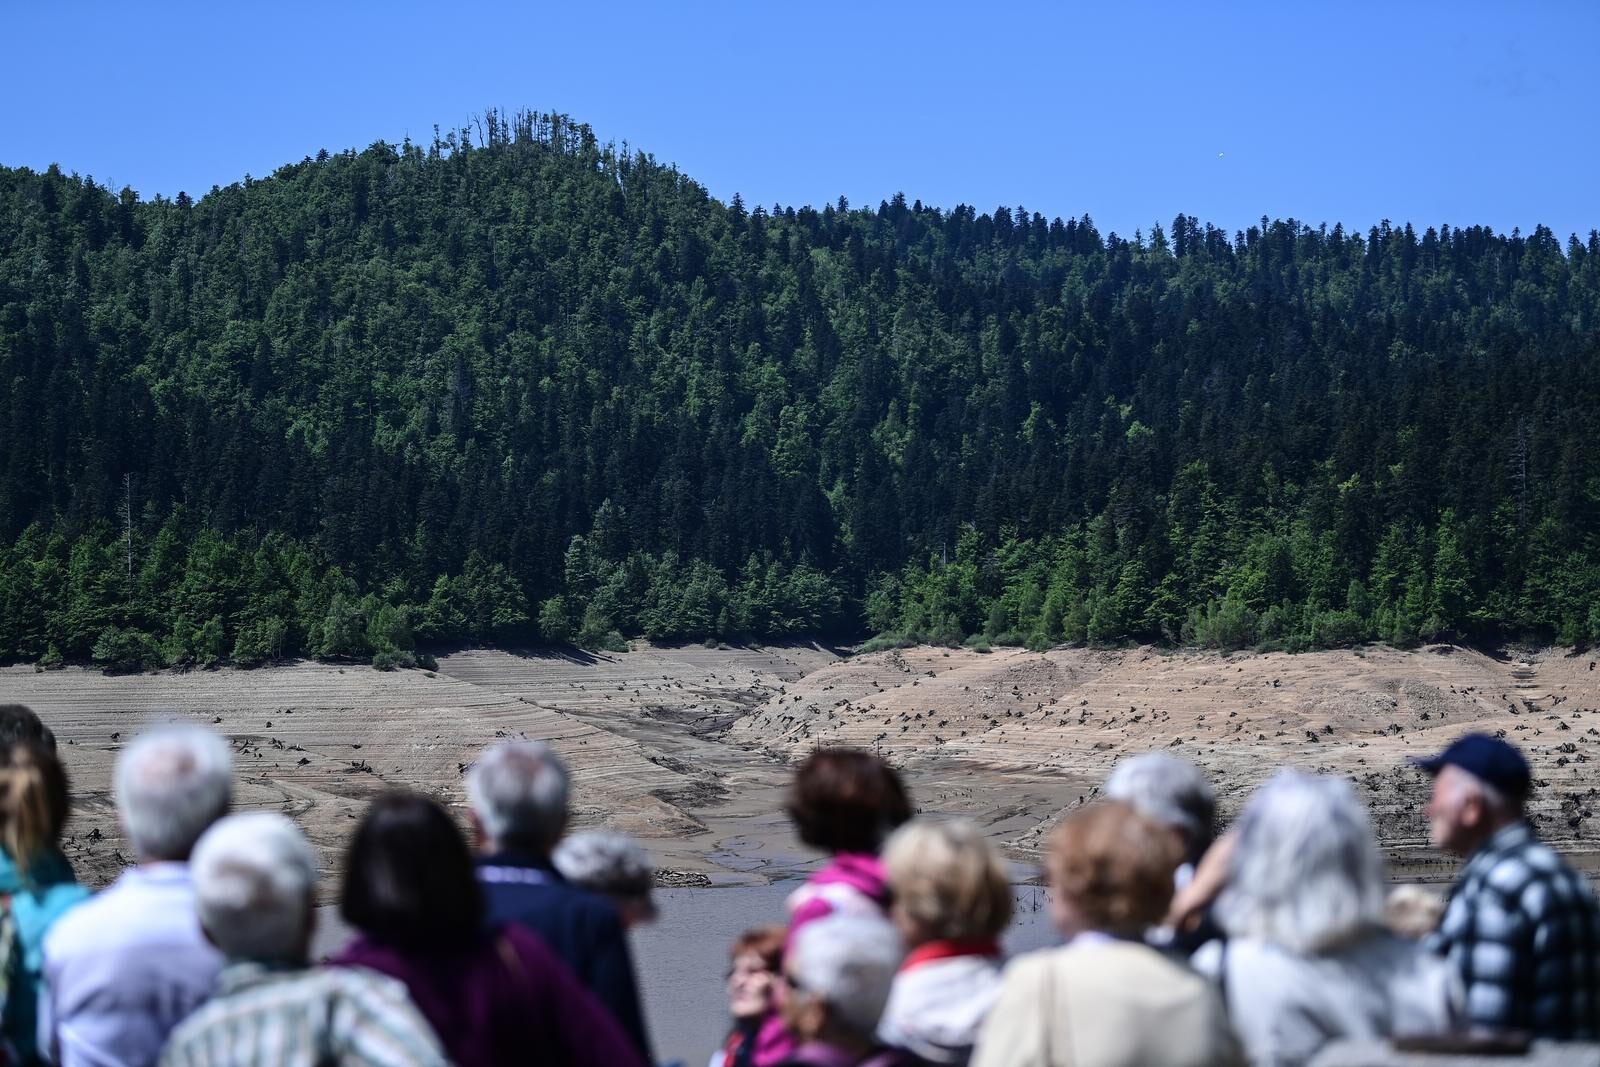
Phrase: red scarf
(930, 951)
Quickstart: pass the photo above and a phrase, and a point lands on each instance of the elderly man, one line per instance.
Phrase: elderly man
(839, 971)
(124, 968)
(517, 793)
(1174, 793)
(255, 884)
(1522, 928)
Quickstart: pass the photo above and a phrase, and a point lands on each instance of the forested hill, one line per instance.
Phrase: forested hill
(520, 384)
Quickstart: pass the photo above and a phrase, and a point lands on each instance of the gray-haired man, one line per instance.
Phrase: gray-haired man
(125, 967)
(1522, 927)
(518, 798)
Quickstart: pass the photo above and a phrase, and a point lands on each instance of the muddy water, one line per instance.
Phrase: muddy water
(682, 959)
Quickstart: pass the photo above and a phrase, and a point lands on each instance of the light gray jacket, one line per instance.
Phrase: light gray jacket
(1286, 1006)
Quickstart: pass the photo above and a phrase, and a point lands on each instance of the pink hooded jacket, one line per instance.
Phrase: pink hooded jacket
(853, 883)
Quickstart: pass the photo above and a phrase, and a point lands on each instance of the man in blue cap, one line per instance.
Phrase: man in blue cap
(1522, 927)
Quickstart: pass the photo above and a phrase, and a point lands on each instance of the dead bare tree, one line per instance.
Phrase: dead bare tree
(125, 513)
(1519, 469)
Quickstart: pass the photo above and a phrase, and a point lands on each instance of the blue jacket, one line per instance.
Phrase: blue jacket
(581, 927)
(37, 901)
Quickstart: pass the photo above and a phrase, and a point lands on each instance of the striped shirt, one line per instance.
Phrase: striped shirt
(265, 1017)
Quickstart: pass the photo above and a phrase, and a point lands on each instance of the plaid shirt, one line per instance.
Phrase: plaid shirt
(261, 1017)
(1523, 931)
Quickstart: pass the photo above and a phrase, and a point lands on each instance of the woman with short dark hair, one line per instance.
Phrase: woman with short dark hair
(846, 802)
(491, 996)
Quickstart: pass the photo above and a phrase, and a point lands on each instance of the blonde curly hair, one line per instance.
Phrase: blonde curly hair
(947, 880)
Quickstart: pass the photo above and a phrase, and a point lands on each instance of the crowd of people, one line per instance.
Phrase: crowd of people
(508, 943)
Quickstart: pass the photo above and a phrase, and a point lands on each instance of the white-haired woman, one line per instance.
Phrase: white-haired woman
(1173, 792)
(1308, 960)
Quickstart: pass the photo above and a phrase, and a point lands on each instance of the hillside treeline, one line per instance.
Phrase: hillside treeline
(516, 384)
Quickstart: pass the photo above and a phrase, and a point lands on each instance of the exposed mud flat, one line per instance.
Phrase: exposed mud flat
(1065, 717)
(689, 747)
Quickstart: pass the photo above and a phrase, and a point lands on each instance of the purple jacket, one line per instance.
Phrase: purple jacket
(506, 999)
(816, 1054)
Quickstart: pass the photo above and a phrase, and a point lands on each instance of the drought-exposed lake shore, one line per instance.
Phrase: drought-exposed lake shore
(689, 747)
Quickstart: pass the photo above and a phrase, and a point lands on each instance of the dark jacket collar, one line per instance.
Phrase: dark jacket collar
(526, 858)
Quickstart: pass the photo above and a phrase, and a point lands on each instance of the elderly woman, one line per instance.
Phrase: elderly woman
(1106, 999)
(1174, 793)
(615, 866)
(755, 964)
(951, 902)
(838, 972)
(1309, 959)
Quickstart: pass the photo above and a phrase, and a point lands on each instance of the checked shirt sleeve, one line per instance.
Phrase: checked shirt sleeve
(1489, 947)
(1523, 934)
(1564, 968)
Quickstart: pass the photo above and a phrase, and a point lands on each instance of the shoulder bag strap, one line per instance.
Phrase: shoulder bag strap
(1222, 980)
(1053, 1055)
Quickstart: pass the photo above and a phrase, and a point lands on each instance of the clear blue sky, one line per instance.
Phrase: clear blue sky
(1443, 111)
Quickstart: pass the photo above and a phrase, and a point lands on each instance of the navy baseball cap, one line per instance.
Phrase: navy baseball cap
(1488, 758)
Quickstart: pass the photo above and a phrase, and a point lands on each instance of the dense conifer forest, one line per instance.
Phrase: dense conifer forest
(516, 385)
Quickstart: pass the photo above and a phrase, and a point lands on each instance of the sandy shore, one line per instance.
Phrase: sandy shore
(689, 748)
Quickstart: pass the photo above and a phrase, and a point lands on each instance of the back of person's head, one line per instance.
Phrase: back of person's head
(171, 784)
(1112, 867)
(948, 882)
(1307, 874)
(1171, 791)
(518, 792)
(610, 863)
(847, 962)
(408, 877)
(33, 801)
(254, 878)
(19, 723)
(846, 800)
